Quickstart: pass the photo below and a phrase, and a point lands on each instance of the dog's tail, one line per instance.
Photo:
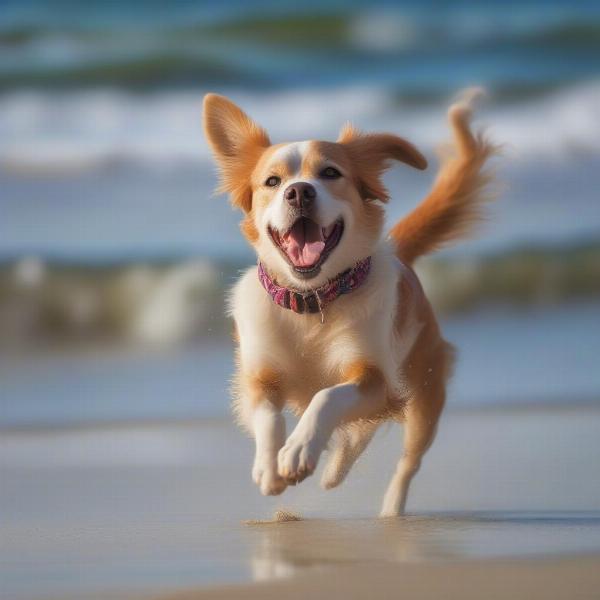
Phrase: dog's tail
(454, 204)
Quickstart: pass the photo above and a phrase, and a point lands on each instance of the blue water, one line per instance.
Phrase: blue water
(102, 160)
(416, 48)
(506, 359)
(102, 155)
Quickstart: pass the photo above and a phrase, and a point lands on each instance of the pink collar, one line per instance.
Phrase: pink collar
(313, 301)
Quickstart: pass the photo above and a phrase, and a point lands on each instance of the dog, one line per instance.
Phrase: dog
(333, 322)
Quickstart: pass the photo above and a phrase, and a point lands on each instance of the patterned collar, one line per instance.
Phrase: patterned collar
(313, 301)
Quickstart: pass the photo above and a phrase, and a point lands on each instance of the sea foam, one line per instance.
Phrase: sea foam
(66, 131)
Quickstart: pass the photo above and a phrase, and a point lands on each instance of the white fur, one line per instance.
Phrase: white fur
(348, 369)
(291, 154)
(394, 500)
(270, 335)
(328, 209)
(357, 326)
(350, 444)
(269, 431)
(314, 362)
(329, 408)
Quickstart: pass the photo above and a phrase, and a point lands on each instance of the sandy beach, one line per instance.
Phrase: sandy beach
(122, 474)
(549, 579)
(507, 501)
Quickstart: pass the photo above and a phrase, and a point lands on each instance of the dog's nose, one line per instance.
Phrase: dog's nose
(300, 195)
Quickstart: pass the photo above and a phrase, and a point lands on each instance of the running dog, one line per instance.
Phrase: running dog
(333, 322)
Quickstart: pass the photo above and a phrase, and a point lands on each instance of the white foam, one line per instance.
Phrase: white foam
(82, 130)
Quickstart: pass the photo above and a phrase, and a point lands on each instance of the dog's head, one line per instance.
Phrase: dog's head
(312, 209)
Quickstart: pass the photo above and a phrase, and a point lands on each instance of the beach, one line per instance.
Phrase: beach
(122, 473)
(549, 579)
(124, 476)
(161, 509)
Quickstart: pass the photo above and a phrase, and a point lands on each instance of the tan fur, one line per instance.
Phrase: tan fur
(374, 354)
(248, 228)
(370, 155)
(264, 384)
(237, 143)
(454, 204)
(351, 442)
(362, 373)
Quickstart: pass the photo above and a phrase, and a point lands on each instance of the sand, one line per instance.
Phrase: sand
(508, 501)
(564, 579)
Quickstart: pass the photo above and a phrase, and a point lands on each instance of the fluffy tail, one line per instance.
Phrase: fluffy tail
(454, 203)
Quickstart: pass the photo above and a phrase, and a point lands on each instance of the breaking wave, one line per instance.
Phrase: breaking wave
(92, 129)
(172, 302)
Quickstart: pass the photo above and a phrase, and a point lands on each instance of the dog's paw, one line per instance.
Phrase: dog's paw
(333, 475)
(390, 512)
(298, 458)
(267, 479)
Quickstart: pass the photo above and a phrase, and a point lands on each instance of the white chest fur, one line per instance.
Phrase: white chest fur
(357, 327)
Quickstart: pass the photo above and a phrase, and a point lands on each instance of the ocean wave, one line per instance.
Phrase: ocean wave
(91, 129)
(260, 44)
(171, 302)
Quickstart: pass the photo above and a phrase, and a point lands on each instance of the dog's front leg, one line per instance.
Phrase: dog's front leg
(360, 397)
(268, 426)
(259, 407)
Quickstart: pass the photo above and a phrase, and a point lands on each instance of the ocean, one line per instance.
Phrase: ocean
(122, 473)
(507, 359)
(112, 239)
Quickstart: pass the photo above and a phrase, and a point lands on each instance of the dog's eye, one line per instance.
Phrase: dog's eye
(330, 173)
(273, 181)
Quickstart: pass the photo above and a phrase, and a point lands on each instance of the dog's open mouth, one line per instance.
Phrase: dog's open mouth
(306, 245)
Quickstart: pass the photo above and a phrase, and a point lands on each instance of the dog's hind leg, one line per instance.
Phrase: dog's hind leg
(421, 417)
(351, 443)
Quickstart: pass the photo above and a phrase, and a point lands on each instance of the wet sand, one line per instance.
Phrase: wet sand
(506, 499)
(548, 579)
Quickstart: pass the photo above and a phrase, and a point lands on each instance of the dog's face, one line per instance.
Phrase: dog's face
(313, 208)
(309, 219)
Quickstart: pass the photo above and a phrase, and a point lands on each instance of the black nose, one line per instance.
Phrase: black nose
(300, 195)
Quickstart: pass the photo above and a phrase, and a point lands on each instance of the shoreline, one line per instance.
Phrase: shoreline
(145, 511)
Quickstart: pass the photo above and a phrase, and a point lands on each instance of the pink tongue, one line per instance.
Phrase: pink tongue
(307, 255)
(304, 244)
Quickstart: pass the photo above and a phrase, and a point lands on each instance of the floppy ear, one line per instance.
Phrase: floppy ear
(237, 143)
(370, 154)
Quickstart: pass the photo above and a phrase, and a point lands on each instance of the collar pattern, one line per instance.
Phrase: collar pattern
(313, 301)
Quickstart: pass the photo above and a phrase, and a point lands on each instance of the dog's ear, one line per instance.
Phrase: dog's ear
(237, 143)
(370, 154)
(229, 130)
